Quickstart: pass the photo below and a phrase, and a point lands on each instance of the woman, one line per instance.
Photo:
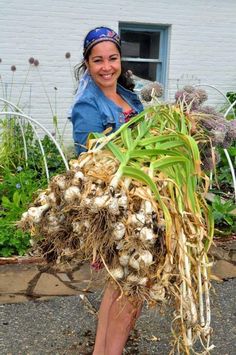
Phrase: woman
(105, 99)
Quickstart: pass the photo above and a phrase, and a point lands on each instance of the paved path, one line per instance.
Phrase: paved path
(65, 325)
(43, 311)
(27, 279)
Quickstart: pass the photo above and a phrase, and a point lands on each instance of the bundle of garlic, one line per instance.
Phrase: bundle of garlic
(135, 202)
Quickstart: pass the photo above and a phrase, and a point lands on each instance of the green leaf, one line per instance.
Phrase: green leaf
(16, 198)
(116, 151)
(139, 153)
(6, 202)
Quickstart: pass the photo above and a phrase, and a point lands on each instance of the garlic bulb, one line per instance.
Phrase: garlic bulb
(42, 199)
(117, 273)
(123, 201)
(157, 292)
(72, 193)
(137, 219)
(85, 202)
(140, 259)
(120, 245)
(119, 231)
(93, 189)
(78, 177)
(135, 279)
(113, 206)
(52, 197)
(60, 181)
(35, 213)
(74, 164)
(100, 201)
(24, 216)
(53, 223)
(147, 235)
(124, 259)
(148, 207)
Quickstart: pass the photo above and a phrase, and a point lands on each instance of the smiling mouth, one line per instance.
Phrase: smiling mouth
(107, 76)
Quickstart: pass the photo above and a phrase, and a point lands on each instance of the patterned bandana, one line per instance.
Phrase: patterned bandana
(100, 34)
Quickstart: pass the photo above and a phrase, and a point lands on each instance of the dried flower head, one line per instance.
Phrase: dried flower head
(13, 68)
(208, 110)
(189, 88)
(36, 62)
(202, 95)
(67, 55)
(190, 97)
(209, 161)
(129, 73)
(232, 129)
(31, 60)
(151, 90)
(230, 136)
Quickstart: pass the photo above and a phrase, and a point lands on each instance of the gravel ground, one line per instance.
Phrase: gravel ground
(63, 325)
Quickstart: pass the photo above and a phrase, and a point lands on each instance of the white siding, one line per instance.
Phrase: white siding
(202, 46)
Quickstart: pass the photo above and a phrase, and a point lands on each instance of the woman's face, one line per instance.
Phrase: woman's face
(104, 64)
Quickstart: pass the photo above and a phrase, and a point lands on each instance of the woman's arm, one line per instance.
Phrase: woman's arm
(85, 118)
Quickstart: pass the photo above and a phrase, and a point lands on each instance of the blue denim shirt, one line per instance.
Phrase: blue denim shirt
(94, 112)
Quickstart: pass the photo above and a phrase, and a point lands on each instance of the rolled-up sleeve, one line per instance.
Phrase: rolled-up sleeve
(86, 118)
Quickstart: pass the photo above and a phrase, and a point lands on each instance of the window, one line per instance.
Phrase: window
(144, 50)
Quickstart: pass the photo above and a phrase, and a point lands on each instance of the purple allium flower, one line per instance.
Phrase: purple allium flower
(189, 89)
(13, 68)
(232, 129)
(202, 95)
(36, 62)
(155, 89)
(129, 73)
(31, 60)
(189, 98)
(19, 168)
(210, 160)
(67, 55)
(209, 110)
(18, 186)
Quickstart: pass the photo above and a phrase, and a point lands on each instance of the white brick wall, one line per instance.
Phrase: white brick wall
(202, 45)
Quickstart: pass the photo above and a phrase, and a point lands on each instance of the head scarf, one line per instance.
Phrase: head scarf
(100, 34)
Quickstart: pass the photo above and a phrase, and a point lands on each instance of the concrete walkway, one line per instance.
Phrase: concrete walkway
(65, 322)
(23, 279)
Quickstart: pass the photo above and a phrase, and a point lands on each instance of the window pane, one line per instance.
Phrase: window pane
(143, 70)
(143, 44)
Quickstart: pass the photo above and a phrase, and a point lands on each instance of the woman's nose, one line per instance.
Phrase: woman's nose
(106, 65)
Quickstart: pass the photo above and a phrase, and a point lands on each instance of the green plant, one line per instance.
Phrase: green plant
(224, 213)
(16, 193)
(231, 95)
(12, 240)
(224, 183)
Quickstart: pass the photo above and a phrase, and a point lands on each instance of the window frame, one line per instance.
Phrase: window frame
(161, 69)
